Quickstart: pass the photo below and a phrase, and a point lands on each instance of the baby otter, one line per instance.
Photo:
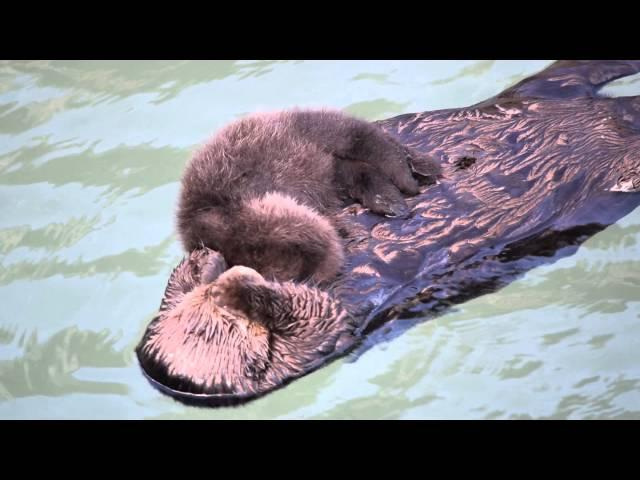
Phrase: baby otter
(263, 191)
(232, 334)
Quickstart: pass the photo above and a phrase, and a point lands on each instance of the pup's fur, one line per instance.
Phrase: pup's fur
(263, 190)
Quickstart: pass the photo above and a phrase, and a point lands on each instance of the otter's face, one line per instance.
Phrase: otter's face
(240, 336)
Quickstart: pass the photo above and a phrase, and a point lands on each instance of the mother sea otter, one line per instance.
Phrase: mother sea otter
(541, 166)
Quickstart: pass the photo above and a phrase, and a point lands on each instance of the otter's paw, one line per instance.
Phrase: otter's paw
(400, 175)
(237, 289)
(424, 168)
(211, 266)
(387, 203)
(373, 189)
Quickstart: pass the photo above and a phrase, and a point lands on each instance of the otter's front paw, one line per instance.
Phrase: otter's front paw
(236, 289)
(424, 168)
(389, 205)
(375, 191)
(211, 266)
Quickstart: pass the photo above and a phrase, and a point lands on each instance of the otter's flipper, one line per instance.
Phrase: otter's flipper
(380, 151)
(567, 79)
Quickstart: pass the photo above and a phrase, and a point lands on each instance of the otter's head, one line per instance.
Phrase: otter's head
(240, 336)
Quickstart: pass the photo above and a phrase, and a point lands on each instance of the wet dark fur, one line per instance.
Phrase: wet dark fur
(264, 190)
(528, 176)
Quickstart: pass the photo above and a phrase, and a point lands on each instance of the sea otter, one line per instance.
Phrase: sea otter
(264, 192)
(265, 189)
(528, 176)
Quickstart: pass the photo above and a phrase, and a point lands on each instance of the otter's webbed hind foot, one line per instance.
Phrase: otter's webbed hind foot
(376, 169)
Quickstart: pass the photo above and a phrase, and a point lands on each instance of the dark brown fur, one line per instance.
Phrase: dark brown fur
(264, 190)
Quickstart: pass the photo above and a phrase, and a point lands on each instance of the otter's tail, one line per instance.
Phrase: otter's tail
(287, 240)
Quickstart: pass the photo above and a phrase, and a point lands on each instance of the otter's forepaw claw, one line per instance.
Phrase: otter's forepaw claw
(389, 208)
(398, 210)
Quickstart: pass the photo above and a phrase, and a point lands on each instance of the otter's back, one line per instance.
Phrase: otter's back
(259, 154)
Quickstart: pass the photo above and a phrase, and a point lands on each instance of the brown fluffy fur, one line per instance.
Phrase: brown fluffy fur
(263, 190)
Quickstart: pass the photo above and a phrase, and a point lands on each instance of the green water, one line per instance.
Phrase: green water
(90, 157)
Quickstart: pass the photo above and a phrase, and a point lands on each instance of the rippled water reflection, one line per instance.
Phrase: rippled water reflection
(90, 156)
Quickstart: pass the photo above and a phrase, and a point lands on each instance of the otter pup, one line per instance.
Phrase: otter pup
(233, 334)
(264, 190)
